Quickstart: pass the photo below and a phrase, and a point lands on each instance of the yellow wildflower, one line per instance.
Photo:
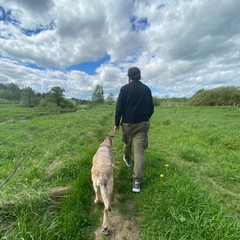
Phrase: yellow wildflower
(162, 175)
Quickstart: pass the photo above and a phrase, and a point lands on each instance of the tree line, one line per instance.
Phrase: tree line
(221, 96)
(11, 93)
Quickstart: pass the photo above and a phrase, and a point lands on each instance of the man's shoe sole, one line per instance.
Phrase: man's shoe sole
(128, 164)
(136, 190)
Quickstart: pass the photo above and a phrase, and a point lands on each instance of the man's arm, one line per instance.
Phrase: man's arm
(116, 129)
(119, 109)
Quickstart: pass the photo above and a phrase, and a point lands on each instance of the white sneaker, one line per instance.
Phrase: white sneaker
(128, 163)
(136, 187)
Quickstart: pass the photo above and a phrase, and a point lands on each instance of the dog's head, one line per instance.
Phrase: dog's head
(106, 141)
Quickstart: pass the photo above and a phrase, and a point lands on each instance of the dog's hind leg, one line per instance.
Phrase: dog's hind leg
(95, 187)
(105, 222)
(105, 197)
(110, 192)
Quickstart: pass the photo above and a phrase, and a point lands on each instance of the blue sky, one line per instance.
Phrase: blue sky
(180, 46)
(89, 67)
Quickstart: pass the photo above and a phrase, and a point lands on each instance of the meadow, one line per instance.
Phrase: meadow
(191, 181)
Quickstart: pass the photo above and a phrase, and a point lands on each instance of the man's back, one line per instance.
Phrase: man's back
(135, 103)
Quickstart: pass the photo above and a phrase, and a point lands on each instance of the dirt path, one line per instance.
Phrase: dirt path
(120, 227)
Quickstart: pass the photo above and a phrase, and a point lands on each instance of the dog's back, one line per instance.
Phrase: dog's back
(102, 177)
(102, 164)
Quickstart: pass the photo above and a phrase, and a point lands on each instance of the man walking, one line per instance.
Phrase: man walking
(133, 110)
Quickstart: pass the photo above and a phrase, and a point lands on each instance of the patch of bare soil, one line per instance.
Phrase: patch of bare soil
(120, 227)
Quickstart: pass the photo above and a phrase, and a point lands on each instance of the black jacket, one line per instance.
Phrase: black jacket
(134, 104)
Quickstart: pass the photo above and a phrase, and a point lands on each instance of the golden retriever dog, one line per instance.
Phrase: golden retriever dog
(102, 178)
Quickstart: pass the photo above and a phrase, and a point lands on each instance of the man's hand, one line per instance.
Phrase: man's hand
(116, 129)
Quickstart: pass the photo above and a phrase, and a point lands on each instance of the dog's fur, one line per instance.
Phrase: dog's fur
(102, 177)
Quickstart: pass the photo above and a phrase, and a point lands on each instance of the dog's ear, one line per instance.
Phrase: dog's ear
(101, 140)
(110, 139)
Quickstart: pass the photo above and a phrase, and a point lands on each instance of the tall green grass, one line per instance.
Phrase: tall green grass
(198, 198)
(71, 138)
(194, 196)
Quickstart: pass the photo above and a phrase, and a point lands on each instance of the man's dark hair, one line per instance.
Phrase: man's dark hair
(134, 73)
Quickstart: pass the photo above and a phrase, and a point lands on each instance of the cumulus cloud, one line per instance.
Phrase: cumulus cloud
(180, 46)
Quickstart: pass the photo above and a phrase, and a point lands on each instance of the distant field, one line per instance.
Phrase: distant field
(11, 112)
(173, 104)
(191, 187)
(15, 112)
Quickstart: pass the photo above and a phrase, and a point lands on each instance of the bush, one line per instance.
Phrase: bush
(222, 96)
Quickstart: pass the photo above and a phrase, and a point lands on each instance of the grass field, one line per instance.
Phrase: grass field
(191, 182)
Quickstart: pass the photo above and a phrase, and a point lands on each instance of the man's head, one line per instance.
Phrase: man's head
(134, 73)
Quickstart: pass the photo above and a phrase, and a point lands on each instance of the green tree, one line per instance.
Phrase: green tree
(10, 91)
(68, 103)
(156, 101)
(14, 92)
(3, 89)
(110, 99)
(29, 97)
(56, 95)
(98, 95)
(2, 93)
(221, 96)
(198, 92)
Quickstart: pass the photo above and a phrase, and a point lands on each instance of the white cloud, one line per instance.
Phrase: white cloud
(180, 46)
